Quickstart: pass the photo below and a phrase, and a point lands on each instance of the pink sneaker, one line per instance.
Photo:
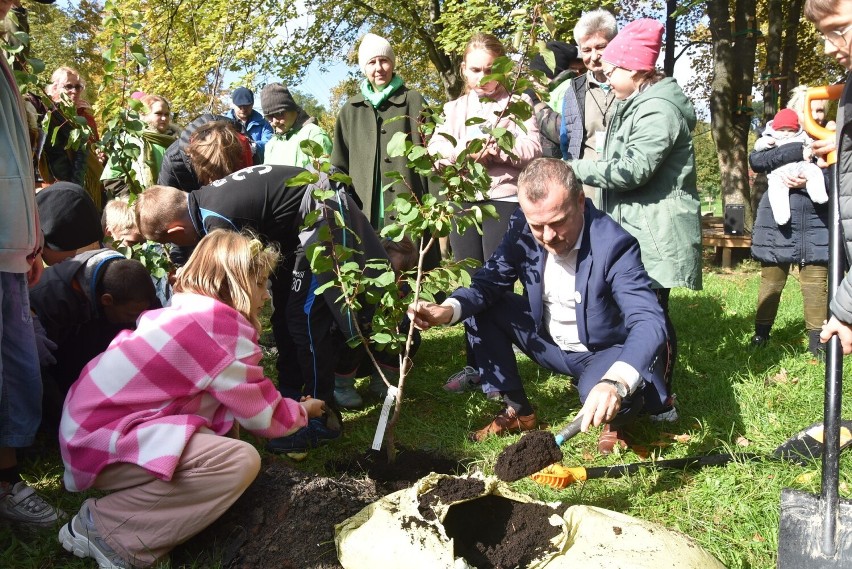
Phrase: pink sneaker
(466, 380)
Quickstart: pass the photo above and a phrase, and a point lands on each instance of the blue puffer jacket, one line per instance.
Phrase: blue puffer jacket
(802, 241)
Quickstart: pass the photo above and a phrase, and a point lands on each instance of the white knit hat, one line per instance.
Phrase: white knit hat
(374, 46)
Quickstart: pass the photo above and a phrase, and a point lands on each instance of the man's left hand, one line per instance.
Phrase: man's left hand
(602, 405)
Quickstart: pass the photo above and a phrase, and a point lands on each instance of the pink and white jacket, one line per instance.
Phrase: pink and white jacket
(503, 169)
(193, 366)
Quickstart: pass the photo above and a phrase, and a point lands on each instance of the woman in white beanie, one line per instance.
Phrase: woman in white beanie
(363, 130)
(361, 135)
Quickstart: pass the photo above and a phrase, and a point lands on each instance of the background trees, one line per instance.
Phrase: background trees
(737, 49)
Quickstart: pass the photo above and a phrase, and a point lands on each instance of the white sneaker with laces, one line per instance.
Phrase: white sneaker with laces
(20, 503)
(80, 537)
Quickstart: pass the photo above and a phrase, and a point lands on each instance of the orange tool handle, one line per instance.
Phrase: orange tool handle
(822, 93)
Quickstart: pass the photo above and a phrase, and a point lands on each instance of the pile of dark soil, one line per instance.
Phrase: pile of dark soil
(410, 466)
(534, 451)
(286, 518)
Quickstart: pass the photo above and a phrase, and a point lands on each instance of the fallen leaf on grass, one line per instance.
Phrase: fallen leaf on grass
(641, 451)
(682, 438)
(805, 477)
(780, 377)
(743, 442)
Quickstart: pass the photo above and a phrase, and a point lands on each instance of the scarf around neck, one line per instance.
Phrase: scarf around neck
(377, 98)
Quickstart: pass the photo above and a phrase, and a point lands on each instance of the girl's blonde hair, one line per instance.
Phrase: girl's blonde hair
(227, 266)
(486, 42)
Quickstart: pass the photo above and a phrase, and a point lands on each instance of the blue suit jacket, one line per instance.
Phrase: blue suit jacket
(615, 302)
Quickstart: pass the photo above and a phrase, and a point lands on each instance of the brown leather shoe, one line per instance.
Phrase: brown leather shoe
(506, 422)
(609, 438)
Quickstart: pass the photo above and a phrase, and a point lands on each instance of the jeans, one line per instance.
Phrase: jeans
(20, 378)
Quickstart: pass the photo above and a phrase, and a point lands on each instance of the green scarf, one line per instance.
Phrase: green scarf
(377, 98)
(150, 137)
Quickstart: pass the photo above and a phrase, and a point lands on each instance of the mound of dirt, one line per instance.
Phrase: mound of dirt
(286, 518)
(534, 451)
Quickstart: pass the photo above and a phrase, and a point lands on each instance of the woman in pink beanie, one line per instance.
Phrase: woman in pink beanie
(646, 173)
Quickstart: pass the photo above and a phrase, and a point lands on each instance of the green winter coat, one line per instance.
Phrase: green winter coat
(647, 182)
(361, 137)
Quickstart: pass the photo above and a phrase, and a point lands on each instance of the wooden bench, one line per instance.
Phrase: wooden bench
(713, 235)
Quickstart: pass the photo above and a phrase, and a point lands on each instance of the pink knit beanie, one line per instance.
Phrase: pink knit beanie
(637, 45)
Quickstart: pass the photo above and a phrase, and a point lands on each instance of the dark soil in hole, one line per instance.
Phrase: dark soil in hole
(410, 466)
(449, 491)
(495, 532)
(286, 518)
(534, 451)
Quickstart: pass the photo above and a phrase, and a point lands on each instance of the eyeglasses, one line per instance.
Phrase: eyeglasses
(73, 87)
(837, 38)
(609, 73)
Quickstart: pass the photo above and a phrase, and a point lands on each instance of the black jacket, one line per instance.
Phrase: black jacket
(802, 241)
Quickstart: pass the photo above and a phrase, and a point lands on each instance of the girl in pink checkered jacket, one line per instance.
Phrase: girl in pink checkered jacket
(149, 418)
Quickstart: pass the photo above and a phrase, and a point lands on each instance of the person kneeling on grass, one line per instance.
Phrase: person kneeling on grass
(588, 312)
(148, 419)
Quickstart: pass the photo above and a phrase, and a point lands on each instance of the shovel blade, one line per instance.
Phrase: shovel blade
(801, 536)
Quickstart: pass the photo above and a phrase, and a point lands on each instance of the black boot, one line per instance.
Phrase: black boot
(815, 347)
(761, 335)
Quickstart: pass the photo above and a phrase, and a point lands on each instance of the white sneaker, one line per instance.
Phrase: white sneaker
(20, 503)
(80, 537)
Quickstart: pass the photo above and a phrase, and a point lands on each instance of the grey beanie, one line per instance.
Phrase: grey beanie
(275, 99)
(374, 46)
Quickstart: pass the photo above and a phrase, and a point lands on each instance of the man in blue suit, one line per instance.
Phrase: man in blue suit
(589, 311)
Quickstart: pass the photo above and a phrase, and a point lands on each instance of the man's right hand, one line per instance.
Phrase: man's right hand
(821, 148)
(843, 331)
(424, 314)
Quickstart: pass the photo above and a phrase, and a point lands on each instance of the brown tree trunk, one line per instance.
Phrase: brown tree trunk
(671, 35)
(730, 103)
(790, 48)
(774, 16)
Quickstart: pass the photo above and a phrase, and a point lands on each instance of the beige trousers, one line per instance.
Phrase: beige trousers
(145, 517)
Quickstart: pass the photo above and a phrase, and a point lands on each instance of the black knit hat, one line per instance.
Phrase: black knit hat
(276, 99)
(563, 53)
(69, 218)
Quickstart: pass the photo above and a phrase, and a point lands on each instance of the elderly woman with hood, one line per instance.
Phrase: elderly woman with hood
(646, 172)
(292, 125)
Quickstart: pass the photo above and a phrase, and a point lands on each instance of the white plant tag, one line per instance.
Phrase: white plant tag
(383, 418)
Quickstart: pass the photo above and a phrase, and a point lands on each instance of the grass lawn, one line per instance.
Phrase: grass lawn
(730, 397)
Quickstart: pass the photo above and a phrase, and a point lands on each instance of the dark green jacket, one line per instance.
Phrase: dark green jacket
(647, 182)
(361, 137)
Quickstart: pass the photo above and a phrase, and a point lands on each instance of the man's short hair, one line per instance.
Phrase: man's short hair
(595, 22)
(818, 9)
(543, 174)
(157, 208)
(127, 280)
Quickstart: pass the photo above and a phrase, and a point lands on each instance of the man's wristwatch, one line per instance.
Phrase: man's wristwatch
(620, 387)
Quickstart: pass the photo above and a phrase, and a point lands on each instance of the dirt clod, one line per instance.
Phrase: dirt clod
(534, 451)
